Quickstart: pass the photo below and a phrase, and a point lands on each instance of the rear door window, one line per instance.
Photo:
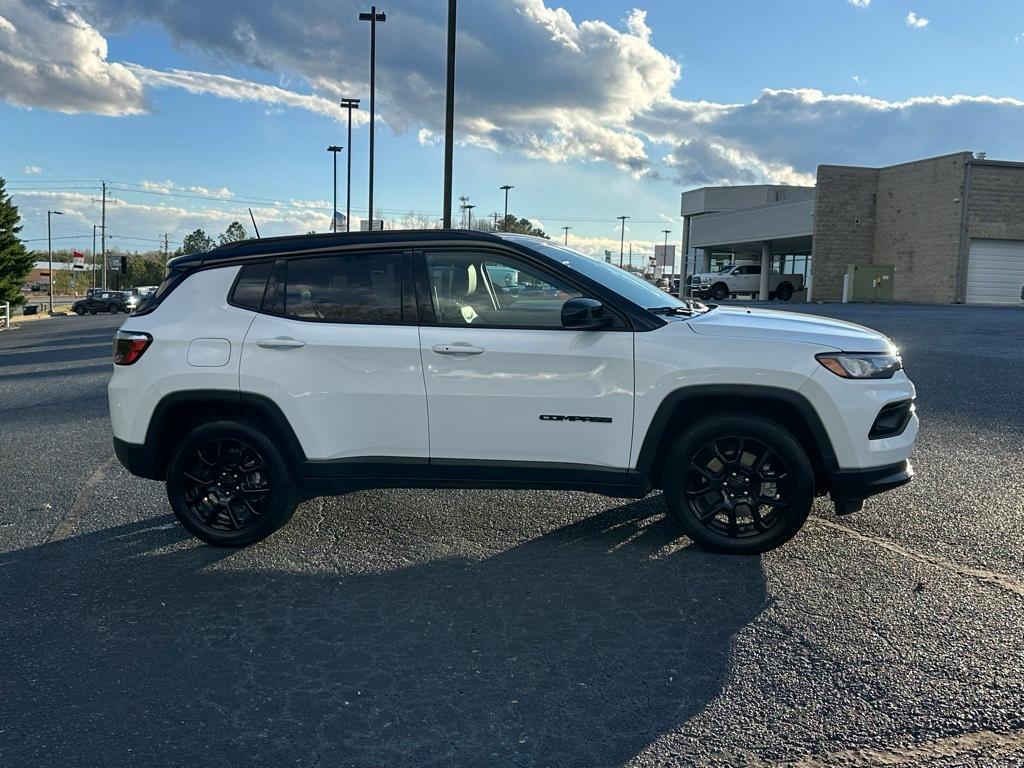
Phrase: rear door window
(344, 288)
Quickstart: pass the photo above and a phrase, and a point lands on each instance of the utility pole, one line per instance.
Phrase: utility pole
(566, 230)
(373, 17)
(94, 257)
(167, 247)
(449, 117)
(334, 149)
(49, 249)
(103, 235)
(469, 215)
(495, 221)
(622, 239)
(506, 187)
(349, 104)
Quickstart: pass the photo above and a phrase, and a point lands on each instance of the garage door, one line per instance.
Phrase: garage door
(995, 272)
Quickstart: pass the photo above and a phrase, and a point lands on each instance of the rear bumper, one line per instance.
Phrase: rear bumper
(138, 459)
(859, 484)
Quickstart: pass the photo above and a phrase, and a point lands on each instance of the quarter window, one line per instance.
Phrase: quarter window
(356, 288)
(472, 288)
(251, 283)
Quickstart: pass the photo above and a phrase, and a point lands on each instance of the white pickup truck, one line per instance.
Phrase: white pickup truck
(743, 278)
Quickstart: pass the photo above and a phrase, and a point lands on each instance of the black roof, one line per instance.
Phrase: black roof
(269, 246)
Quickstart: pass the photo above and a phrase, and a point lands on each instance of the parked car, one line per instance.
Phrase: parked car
(266, 372)
(101, 301)
(743, 279)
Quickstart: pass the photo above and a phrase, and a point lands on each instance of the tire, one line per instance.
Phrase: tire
(79, 311)
(719, 291)
(229, 485)
(112, 309)
(92, 311)
(710, 478)
(784, 292)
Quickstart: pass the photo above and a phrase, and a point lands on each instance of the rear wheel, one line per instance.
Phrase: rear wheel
(229, 485)
(112, 309)
(784, 292)
(739, 483)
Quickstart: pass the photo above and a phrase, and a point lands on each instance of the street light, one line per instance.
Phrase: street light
(349, 104)
(373, 17)
(622, 240)
(94, 228)
(664, 254)
(334, 149)
(566, 234)
(504, 222)
(49, 249)
(449, 117)
(469, 215)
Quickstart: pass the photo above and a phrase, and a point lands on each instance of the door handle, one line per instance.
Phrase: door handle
(280, 342)
(457, 349)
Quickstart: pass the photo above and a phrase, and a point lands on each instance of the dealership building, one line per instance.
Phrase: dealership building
(943, 230)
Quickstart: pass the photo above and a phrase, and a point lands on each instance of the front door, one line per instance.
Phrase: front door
(505, 381)
(337, 351)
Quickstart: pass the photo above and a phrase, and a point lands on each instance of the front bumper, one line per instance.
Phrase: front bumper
(849, 487)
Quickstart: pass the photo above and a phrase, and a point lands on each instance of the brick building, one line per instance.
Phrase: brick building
(942, 230)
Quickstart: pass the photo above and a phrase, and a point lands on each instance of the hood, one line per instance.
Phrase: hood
(772, 325)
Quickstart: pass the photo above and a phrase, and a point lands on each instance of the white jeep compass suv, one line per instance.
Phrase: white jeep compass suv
(269, 371)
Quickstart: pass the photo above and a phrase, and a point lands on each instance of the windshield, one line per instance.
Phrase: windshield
(624, 283)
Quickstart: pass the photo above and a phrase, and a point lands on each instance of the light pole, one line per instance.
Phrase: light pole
(664, 254)
(622, 240)
(334, 149)
(504, 222)
(49, 250)
(349, 104)
(449, 117)
(94, 228)
(373, 17)
(566, 229)
(469, 215)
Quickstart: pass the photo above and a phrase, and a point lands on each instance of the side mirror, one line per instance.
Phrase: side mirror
(585, 315)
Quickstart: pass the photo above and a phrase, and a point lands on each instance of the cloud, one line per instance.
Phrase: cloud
(783, 135)
(916, 22)
(233, 88)
(51, 58)
(859, 3)
(31, 170)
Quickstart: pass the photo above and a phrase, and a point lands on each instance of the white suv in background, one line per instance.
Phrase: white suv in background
(269, 371)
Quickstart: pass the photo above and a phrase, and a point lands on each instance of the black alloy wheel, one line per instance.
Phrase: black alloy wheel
(226, 484)
(719, 292)
(736, 486)
(229, 485)
(784, 292)
(739, 483)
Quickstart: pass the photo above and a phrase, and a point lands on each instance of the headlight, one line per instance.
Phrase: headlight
(858, 365)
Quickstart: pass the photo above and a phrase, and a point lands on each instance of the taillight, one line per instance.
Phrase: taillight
(129, 346)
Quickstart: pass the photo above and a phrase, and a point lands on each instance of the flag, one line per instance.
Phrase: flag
(77, 260)
(338, 223)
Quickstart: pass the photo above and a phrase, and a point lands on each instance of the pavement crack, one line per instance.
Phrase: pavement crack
(993, 578)
(69, 522)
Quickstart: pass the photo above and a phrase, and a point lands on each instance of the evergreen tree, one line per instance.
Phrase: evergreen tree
(15, 261)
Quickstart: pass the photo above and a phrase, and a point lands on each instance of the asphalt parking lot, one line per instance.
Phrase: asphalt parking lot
(419, 628)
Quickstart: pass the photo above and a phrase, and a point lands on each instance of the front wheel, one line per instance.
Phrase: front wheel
(229, 485)
(719, 292)
(739, 484)
(79, 311)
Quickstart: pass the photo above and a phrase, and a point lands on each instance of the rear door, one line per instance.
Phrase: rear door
(505, 381)
(337, 349)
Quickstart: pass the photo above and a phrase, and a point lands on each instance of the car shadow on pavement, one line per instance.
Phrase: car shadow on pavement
(579, 647)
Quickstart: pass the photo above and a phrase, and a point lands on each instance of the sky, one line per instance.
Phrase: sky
(194, 112)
